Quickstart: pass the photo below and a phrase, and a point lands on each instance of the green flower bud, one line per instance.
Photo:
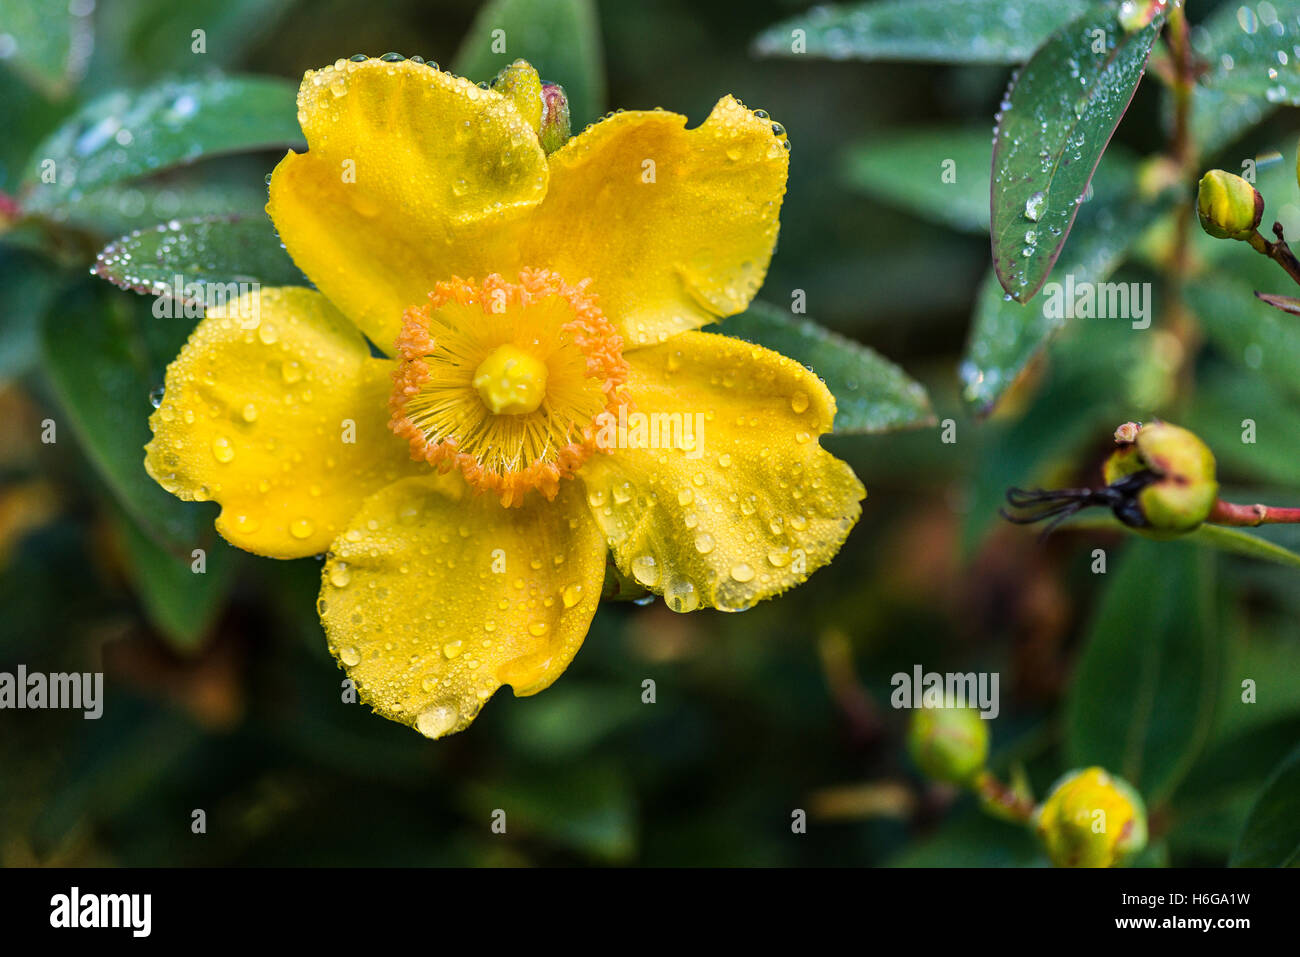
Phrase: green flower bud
(1136, 14)
(1229, 207)
(1184, 489)
(948, 744)
(544, 105)
(520, 83)
(554, 131)
(1091, 819)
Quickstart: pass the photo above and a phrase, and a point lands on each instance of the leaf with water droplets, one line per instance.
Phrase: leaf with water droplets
(559, 38)
(942, 31)
(1251, 49)
(871, 393)
(1006, 335)
(202, 252)
(943, 174)
(126, 135)
(1056, 120)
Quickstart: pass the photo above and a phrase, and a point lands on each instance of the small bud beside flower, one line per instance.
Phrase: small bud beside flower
(544, 105)
(948, 744)
(1228, 206)
(1092, 819)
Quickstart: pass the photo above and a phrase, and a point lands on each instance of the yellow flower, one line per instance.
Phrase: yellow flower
(1092, 819)
(469, 483)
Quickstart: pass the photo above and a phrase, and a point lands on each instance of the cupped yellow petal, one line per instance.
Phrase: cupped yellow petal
(675, 226)
(717, 493)
(434, 597)
(409, 176)
(275, 409)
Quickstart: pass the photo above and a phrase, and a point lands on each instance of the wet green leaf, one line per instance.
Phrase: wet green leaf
(559, 38)
(1153, 655)
(871, 393)
(1007, 334)
(947, 31)
(203, 253)
(1058, 117)
(126, 135)
(1250, 48)
(1272, 834)
(943, 174)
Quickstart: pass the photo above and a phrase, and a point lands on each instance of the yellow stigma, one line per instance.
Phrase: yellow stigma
(510, 381)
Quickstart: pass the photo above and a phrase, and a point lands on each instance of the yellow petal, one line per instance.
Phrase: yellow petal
(675, 226)
(280, 414)
(733, 501)
(434, 597)
(409, 176)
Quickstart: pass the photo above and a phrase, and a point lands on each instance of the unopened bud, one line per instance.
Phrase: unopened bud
(544, 105)
(1229, 207)
(1091, 819)
(948, 744)
(554, 131)
(1136, 14)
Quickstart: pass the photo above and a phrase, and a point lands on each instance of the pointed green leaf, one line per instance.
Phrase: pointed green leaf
(1006, 334)
(942, 31)
(126, 135)
(943, 174)
(1058, 116)
(1272, 834)
(871, 393)
(201, 252)
(1152, 656)
(560, 38)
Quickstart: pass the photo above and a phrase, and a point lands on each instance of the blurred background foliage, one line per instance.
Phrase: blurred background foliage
(221, 695)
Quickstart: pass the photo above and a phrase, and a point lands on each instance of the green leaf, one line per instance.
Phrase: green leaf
(1231, 406)
(124, 135)
(1234, 541)
(1058, 116)
(1006, 334)
(943, 174)
(103, 360)
(203, 253)
(973, 839)
(871, 393)
(560, 38)
(48, 44)
(1251, 51)
(182, 604)
(1272, 834)
(28, 285)
(1248, 331)
(940, 31)
(1143, 695)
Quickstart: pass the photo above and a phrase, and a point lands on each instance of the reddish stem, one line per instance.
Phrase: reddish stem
(1230, 513)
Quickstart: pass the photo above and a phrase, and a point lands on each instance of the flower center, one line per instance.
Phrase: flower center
(510, 381)
(504, 381)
